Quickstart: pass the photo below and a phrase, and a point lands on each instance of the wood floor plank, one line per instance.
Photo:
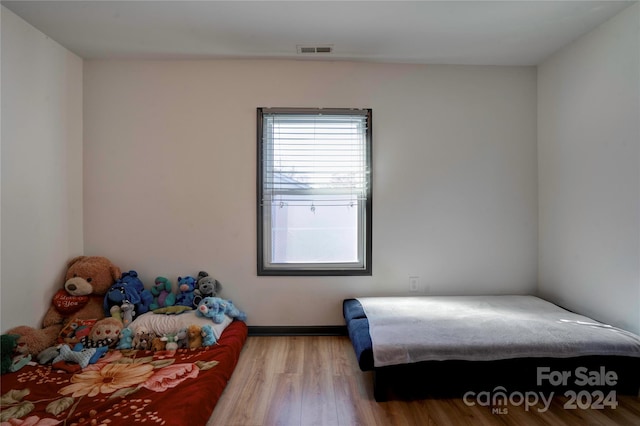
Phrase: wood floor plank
(318, 396)
(256, 383)
(350, 408)
(283, 353)
(446, 412)
(285, 404)
(225, 408)
(344, 360)
(293, 362)
(313, 380)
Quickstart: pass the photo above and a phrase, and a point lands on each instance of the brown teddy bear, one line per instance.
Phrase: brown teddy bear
(195, 336)
(87, 280)
(157, 344)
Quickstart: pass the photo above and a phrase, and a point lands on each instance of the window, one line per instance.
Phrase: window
(314, 191)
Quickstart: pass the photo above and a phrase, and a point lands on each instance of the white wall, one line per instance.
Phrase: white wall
(41, 169)
(589, 173)
(170, 172)
(1, 10)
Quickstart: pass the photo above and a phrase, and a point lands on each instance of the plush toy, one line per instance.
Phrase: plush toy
(186, 288)
(142, 339)
(13, 359)
(118, 294)
(126, 339)
(216, 308)
(162, 294)
(171, 341)
(19, 361)
(8, 342)
(81, 356)
(49, 354)
(130, 289)
(87, 280)
(195, 336)
(146, 298)
(127, 312)
(157, 344)
(75, 330)
(116, 312)
(99, 352)
(172, 310)
(34, 340)
(104, 333)
(182, 338)
(206, 286)
(211, 307)
(208, 338)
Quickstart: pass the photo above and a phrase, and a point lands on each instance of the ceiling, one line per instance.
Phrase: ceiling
(434, 32)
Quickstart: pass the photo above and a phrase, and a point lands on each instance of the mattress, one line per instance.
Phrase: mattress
(178, 387)
(487, 360)
(485, 328)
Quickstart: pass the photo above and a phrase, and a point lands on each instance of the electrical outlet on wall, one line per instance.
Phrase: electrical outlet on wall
(417, 285)
(414, 284)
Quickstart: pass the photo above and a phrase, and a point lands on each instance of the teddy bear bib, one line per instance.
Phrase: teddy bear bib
(67, 304)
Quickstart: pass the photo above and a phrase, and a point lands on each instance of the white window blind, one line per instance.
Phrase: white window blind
(315, 159)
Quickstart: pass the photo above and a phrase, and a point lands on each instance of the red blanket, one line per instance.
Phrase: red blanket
(126, 387)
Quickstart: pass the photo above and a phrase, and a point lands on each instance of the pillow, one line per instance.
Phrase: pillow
(165, 324)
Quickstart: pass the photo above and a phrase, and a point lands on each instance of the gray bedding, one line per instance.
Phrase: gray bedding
(481, 328)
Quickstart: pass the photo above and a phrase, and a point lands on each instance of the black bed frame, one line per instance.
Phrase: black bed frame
(453, 379)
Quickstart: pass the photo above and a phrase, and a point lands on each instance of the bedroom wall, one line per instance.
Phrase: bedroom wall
(1, 10)
(170, 172)
(589, 173)
(41, 169)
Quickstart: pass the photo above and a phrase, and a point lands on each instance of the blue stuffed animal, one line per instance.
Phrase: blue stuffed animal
(126, 339)
(216, 308)
(128, 288)
(80, 355)
(208, 338)
(186, 288)
(118, 294)
(131, 278)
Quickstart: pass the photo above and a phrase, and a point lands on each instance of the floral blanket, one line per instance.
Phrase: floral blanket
(178, 387)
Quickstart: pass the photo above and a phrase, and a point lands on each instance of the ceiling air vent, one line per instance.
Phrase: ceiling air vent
(327, 48)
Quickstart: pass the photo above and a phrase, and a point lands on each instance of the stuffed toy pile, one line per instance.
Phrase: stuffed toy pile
(96, 305)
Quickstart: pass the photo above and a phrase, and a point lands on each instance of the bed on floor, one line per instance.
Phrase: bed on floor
(128, 387)
(436, 346)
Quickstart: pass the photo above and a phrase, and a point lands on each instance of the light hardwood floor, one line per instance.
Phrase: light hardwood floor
(315, 380)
